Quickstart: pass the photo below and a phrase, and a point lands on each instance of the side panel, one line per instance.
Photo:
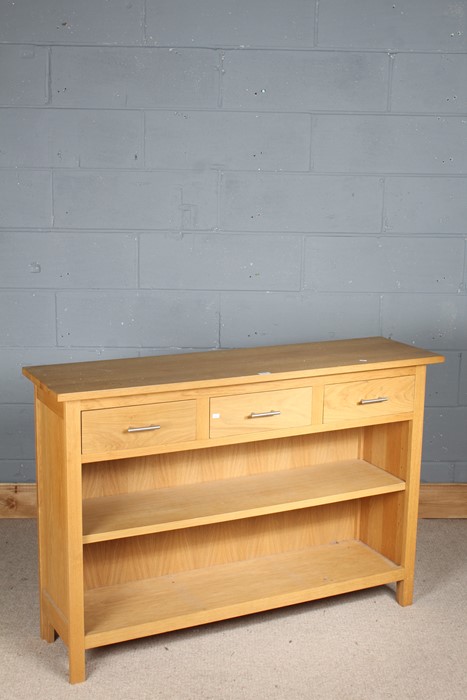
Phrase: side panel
(410, 517)
(52, 519)
(60, 527)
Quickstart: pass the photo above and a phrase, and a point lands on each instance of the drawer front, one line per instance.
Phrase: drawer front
(129, 427)
(367, 399)
(262, 411)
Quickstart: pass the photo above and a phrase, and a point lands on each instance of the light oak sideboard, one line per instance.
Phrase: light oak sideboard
(179, 490)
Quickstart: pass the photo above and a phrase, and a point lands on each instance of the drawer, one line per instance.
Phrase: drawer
(367, 399)
(261, 411)
(128, 427)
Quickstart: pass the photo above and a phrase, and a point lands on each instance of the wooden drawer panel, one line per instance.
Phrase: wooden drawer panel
(129, 427)
(367, 399)
(241, 413)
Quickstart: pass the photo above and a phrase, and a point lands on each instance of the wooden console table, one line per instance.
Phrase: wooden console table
(179, 490)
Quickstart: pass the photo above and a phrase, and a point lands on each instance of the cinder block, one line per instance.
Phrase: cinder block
(437, 472)
(295, 202)
(426, 205)
(24, 138)
(69, 22)
(23, 75)
(152, 319)
(442, 384)
(277, 317)
(389, 144)
(17, 431)
(70, 138)
(25, 198)
(96, 139)
(226, 23)
(227, 140)
(126, 200)
(64, 260)
(217, 261)
(434, 83)
(17, 471)
(123, 77)
(296, 81)
(445, 436)
(27, 318)
(15, 388)
(383, 264)
(404, 24)
(430, 321)
(463, 380)
(460, 473)
(149, 352)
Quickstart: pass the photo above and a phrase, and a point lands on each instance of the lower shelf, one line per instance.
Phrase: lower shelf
(142, 608)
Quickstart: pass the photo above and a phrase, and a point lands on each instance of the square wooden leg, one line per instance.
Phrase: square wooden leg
(47, 630)
(77, 664)
(404, 592)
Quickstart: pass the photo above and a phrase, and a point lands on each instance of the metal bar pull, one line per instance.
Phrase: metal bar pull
(380, 399)
(265, 415)
(144, 429)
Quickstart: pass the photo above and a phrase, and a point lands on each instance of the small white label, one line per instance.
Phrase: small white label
(216, 415)
(264, 372)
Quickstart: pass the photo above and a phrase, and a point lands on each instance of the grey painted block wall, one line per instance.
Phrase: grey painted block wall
(179, 175)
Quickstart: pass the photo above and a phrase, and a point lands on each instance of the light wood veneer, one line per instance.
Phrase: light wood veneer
(180, 490)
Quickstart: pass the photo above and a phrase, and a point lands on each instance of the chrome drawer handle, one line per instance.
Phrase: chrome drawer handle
(380, 399)
(143, 430)
(264, 415)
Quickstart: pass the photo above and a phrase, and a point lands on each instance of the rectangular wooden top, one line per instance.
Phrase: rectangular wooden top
(104, 378)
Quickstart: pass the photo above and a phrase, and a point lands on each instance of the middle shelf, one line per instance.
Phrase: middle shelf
(190, 505)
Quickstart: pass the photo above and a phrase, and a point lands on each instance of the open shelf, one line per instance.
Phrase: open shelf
(191, 505)
(154, 606)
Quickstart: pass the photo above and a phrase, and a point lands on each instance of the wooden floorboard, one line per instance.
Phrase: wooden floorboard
(443, 501)
(17, 500)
